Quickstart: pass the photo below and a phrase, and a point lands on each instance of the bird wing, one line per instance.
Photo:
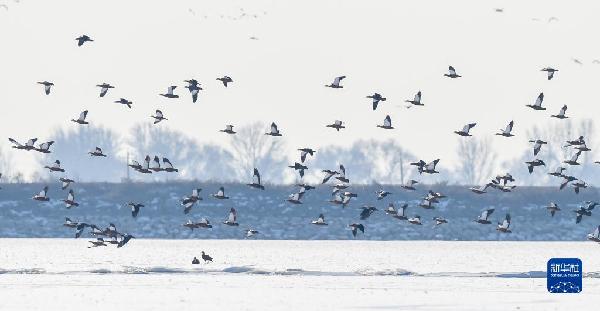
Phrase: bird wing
(256, 176)
(82, 115)
(274, 128)
(451, 70)
(539, 100)
(387, 121)
(71, 196)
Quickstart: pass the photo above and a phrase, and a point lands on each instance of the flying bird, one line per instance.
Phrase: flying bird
(228, 129)
(504, 225)
(465, 130)
(538, 103)
(337, 125)
(274, 130)
(220, 194)
(550, 71)
(124, 101)
(135, 208)
(81, 119)
(70, 200)
(299, 167)
(44, 147)
(451, 73)
(97, 152)
(169, 93)
(55, 167)
(552, 208)
(387, 123)
(158, 116)
(507, 132)
(83, 39)
(225, 80)
(355, 227)
(47, 86)
(416, 100)
(42, 196)
(256, 181)
(304, 152)
(561, 114)
(232, 218)
(336, 83)
(29, 145)
(104, 88)
(534, 163)
(376, 97)
(320, 221)
(483, 218)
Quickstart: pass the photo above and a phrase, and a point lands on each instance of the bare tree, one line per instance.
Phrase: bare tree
(477, 160)
(194, 160)
(252, 148)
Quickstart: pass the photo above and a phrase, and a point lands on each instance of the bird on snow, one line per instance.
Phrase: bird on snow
(220, 194)
(337, 125)
(83, 39)
(206, 257)
(465, 130)
(483, 218)
(232, 218)
(256, 181)
(336, 83)
(534, 163)
(387, 123)
(47, 86)
(304, 152)
(451, 73)
(135, 208)
(158, 116)
(42, 196)
(504, 225)
(29, 145)
(416, 100)
(552, 208)
(561, 113)
(228, 129)
(55, 167)
(124, 101)
(97, 152)
(355, 227)
(299, 167)
(320, 221)
(274, 131)
(507, 131)
(537, 145)
(225, 80)
(81, 119)
(550, 71)
(104, 88)
(169, 93)
(538, 103)
(70, 200)
(376, 97)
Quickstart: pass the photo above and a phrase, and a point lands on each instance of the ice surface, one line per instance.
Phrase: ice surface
(52, 274)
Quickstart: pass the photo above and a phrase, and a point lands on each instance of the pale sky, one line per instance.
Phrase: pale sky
(392, 47)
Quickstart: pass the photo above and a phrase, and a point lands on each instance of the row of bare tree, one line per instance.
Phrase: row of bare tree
(367, 161)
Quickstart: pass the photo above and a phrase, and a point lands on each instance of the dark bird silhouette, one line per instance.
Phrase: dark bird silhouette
(336, 83)
(104, 88)
(83, 39)
(47, 86)
(225, 80)
(206, 257)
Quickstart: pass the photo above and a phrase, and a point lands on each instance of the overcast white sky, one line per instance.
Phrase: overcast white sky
(392, 47)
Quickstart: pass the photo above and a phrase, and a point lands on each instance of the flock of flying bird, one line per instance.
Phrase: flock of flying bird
(341, 194)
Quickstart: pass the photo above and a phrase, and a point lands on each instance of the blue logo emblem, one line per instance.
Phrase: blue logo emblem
(564, 275)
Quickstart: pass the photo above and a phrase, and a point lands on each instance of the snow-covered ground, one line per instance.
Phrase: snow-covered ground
(52, 274)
